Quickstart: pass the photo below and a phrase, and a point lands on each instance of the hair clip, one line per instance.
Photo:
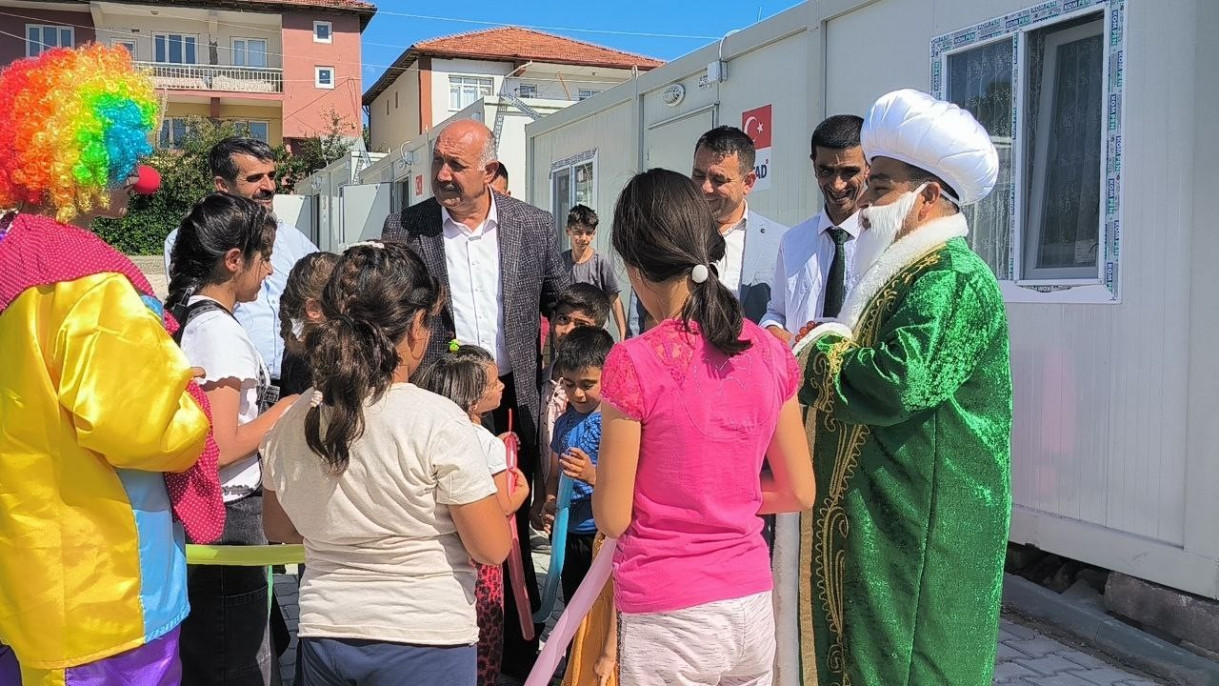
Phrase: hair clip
(315, 399)
(454, 345)
(699, 273)
(372, 244)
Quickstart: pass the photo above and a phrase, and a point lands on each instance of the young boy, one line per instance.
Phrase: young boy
(577, 436)
(589, 266)
(580, 304)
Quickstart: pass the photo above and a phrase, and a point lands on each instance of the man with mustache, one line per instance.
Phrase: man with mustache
(500, 265)
(246, 167)
(815, 258)
(909, 403)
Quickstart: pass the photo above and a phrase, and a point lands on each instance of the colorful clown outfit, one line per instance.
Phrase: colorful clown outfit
(104, 439)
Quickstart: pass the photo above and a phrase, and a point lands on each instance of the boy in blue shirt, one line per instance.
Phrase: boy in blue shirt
(577, 435)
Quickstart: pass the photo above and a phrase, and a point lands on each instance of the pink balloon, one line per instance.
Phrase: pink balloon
(573, 614)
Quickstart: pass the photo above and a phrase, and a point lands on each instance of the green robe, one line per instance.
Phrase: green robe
(901, 558)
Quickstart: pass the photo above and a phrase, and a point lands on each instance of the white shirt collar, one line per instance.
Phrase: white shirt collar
(851, 225)
(741, 225)
(452, 227)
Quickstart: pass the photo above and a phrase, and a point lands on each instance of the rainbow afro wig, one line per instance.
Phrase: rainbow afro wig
(73, 124)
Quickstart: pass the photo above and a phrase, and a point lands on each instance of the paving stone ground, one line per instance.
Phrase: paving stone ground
(1027, 657)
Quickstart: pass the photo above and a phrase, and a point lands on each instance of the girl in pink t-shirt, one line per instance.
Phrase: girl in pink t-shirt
(690, 411)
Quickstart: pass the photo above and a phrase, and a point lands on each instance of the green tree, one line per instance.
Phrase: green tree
(186, 177)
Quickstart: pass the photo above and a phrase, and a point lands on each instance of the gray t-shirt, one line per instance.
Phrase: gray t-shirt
(599, 271)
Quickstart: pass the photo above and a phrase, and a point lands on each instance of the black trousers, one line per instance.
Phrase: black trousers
(226, 639)
(519, 654)
(576, 561)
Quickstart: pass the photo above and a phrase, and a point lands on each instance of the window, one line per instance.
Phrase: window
(249, 52)
(256, 129)
(173, 132)
(586, 93)
(528, 90)
(39, 38)
(1066, 101)
(323, 32)
(395, 100)
(126, 43)
(175, 48)
(323, 77)
(467, 90)
(1040, 90)
(572, 182)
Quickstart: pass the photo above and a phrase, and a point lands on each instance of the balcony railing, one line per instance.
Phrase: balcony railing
(215, 77)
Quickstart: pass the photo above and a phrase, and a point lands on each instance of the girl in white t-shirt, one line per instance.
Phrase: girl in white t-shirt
(468, 376)
(386, 485)
(221, 257)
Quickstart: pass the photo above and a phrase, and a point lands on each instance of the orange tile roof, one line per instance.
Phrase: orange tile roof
(512, 43)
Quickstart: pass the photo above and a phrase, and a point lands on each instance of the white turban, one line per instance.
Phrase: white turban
(935, 136)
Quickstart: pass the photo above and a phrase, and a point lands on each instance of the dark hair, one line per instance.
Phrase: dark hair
(586, 298)
(919, 176)
(460, 376)
(838, 132)
(220, 159)
(216, 224)
(501, 172)
(369, 305)
(583, 215)
(586, 347)
(664, 228)
(729, 140)
(305, 282)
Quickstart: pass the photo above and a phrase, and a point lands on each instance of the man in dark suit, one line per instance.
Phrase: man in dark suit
(499, 260)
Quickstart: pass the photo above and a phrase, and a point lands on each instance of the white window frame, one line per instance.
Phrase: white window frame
(460, 80)
(1103, 288)
(245, 52)
(569, 166)
(317, 77)
(167, 35)
(533, 88)
(329, 31)
(131, 42)
(59, 32)
(1031, 235)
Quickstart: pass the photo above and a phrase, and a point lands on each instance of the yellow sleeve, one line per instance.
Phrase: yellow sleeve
(123, 379)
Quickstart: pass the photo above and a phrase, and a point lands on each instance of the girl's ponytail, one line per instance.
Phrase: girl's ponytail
(664, 228)
(370, 303)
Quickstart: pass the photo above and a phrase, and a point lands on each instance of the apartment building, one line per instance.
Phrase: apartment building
(279, 66)
(435, 79)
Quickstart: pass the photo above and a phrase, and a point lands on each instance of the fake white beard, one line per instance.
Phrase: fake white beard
(884, 223)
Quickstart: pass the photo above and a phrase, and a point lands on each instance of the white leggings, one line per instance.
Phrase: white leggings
(727, 642)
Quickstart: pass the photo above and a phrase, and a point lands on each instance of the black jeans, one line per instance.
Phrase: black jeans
(519, 654)
(226, 638)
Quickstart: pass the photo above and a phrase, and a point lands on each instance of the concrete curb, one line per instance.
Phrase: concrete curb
(1093, 626)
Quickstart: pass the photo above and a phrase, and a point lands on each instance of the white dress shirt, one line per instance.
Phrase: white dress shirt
(729, 268)
(472, 259)
(802, 268)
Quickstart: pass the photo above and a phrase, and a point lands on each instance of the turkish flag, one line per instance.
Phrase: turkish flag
(756, 124)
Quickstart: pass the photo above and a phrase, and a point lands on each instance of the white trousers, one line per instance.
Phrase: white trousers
(727, 642)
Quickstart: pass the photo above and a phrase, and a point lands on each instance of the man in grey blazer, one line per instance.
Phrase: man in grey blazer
(500, 264)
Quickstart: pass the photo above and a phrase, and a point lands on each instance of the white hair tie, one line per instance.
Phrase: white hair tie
(699, 274)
